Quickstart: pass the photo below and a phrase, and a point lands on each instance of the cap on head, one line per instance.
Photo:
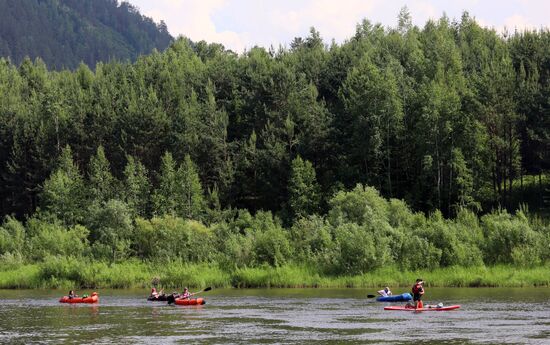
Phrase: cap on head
(419, 280)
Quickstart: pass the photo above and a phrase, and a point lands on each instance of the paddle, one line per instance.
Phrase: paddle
(204, 290)
(371, 296)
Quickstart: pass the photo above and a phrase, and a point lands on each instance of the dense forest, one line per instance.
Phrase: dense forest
(348, 157)
(64, 33)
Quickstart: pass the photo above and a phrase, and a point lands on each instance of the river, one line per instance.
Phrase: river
(278, 316)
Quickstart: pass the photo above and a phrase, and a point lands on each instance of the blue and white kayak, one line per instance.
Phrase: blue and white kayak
(396, 298)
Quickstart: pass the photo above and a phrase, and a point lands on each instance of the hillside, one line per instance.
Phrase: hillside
(66, 32)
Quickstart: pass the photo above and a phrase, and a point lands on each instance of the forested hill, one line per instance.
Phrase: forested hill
(64, 33)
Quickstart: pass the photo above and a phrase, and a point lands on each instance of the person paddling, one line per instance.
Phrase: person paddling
(72, 294)
(418, 291)
(385, 292)
(186, 294)
(154, 293)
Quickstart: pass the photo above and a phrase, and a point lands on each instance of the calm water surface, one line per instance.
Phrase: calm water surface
(277, 316)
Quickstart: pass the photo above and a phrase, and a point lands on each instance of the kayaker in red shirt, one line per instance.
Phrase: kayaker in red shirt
(418, 291)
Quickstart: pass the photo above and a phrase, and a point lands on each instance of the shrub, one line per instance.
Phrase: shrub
(54, 239)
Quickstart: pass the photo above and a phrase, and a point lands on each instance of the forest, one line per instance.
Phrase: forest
(409, 148)
(64, 33)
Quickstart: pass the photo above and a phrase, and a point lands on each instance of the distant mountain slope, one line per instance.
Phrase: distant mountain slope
(66, 32)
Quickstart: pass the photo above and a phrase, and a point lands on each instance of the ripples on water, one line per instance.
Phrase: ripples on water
(487, 316)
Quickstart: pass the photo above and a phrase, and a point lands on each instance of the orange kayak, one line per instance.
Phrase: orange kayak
(94, 298)
(193, 301)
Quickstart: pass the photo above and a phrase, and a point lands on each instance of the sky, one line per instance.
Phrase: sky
(242, 24)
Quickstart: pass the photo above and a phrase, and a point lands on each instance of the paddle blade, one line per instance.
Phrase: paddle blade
(371, 296)
(207, 289)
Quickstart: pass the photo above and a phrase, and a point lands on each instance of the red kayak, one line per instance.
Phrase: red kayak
(192, 301)
(94, 298)
(426, 308)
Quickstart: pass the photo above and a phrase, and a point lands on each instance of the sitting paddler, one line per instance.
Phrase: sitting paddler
(186, 294)
(417, 292)
(72, 295)
(154, 293)
(385, 292)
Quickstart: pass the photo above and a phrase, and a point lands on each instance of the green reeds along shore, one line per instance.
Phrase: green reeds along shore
(65, 274)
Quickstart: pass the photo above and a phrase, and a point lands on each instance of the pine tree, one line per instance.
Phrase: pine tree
(63, 192)
(165, 197)
(102, 182)
(304, 194)
(137, 187)
(191, 197)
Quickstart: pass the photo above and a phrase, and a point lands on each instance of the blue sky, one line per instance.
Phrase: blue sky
(241, 24)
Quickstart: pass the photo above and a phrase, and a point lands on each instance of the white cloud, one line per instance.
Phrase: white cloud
(193, 19)
(519, 23)
(241, 24)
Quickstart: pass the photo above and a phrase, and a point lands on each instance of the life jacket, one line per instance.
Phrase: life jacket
(417, 289)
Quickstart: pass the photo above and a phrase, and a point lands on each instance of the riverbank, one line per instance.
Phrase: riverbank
(65, 274)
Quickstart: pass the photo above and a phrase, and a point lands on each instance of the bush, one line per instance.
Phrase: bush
(54, 239)
(510, 239)
(418, 253)
(310, 237)
(358, 250)
(357, 206)
(167, 238)
(12, 236)
(272, 247)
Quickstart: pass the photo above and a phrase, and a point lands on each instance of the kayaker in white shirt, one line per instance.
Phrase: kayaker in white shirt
(385, 292)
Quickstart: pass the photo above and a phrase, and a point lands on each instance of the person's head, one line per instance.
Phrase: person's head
(153, 290)
(386, 289)
(419, 281)
(71, 292)
(185, 289)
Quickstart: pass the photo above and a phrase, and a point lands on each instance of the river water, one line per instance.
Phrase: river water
(278, 316)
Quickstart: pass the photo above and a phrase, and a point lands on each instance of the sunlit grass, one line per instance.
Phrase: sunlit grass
(69, 273)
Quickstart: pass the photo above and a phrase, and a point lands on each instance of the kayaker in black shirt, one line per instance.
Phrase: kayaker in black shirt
(418, 291)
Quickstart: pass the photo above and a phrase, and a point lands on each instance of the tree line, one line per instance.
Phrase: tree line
(266, 154)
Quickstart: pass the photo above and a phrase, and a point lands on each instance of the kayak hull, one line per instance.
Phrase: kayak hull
(91, 299)
(193, 301)
(404, 297)
(426, 308)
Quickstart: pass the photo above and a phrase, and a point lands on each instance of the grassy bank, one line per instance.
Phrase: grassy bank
(134, 274)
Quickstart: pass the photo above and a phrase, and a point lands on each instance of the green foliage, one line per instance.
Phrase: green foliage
(510, 239)
(63, 193)
(136, 187)
(54, 239)
(165, 198)
(12, 237)
(304, 193)
(195, 154)
(189, 191)
(358, 206)
(170, 238)
(111, 230)
(101, 181)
